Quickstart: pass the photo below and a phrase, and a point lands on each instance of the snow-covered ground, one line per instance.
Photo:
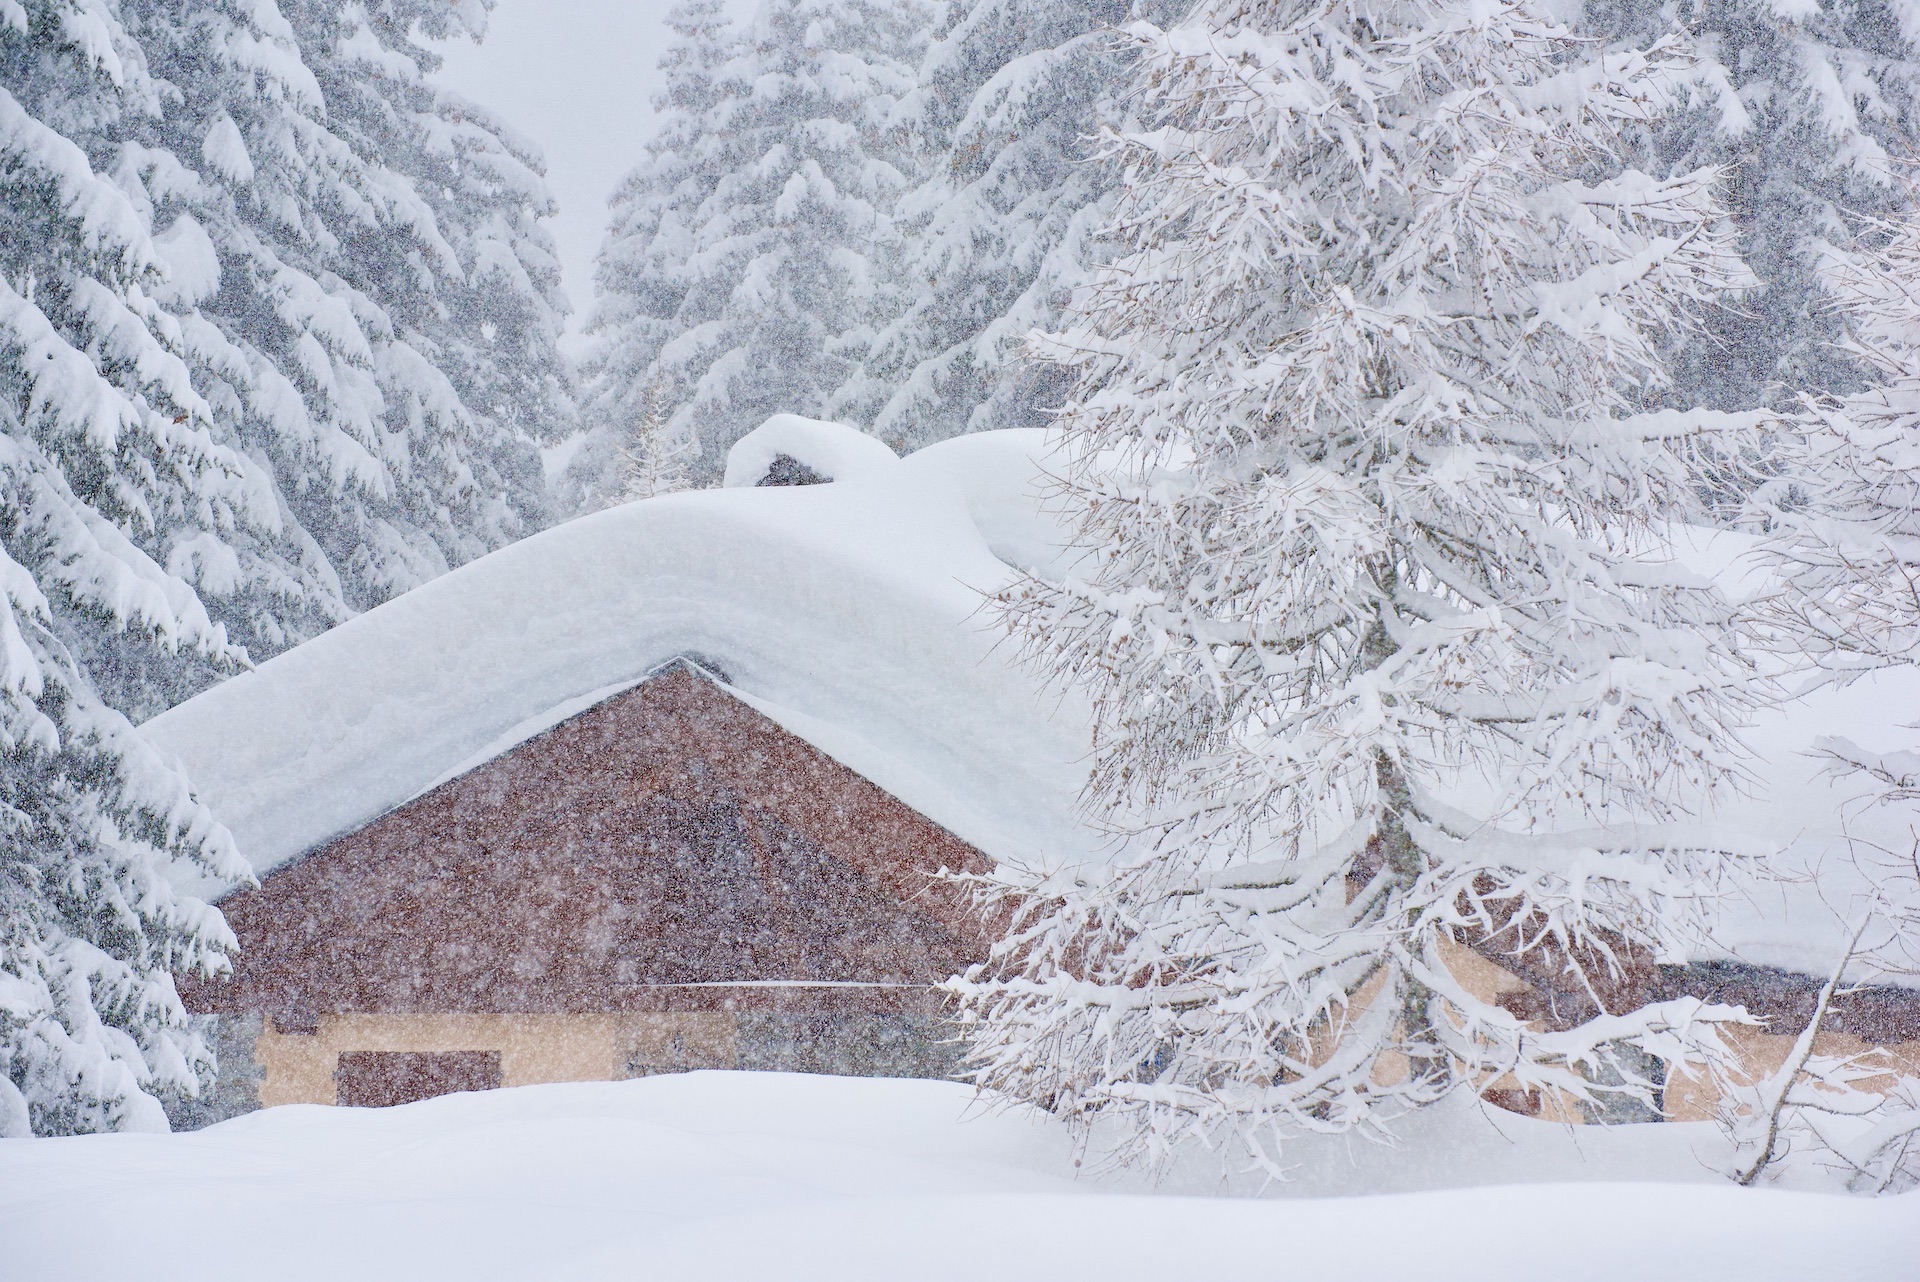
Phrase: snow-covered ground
(717, 1176)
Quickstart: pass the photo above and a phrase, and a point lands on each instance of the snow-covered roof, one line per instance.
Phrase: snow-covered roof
(850, 613)
(847, 612)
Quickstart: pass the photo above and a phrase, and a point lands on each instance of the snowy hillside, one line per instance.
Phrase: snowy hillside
(718, 1176)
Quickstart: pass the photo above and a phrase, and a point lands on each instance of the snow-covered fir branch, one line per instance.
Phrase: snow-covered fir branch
(277, 325)
(1812, 110)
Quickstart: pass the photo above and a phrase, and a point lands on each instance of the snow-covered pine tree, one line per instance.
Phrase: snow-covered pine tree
(92, 927)
(643, 270)
(1390, 674)
(749, 256)
(467, 355)
(187, 171)
(1002, 227)
(381, 257)
(249, 322)
(364, 295)
(1810, 107)
(108, 459)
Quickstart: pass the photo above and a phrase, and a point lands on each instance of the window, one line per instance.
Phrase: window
(381, 1079)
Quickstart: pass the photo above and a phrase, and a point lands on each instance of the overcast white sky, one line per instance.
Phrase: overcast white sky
(578, 77)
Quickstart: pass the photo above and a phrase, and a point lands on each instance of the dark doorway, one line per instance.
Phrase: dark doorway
(381, 1079)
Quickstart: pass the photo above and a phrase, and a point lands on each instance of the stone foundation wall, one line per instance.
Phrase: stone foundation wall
(862, 1045)
(260, 1067)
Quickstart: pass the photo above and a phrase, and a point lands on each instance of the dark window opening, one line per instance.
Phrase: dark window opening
(382, 1079)
(788, 470)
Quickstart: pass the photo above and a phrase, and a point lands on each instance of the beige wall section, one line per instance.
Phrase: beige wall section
(533, 1048)
(1696, 1098)
(1483, 980)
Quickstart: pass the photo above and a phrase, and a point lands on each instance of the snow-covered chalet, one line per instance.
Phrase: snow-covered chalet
(662, 788)
(665, 787)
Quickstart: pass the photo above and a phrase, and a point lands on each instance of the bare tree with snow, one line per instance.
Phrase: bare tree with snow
(656, 458)
(1389, 665)
(1854, 1112)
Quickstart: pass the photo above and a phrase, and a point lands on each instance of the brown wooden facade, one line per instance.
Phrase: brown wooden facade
(668, 879)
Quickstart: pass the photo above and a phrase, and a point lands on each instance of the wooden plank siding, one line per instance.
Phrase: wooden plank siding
(669, 880)
(668, 849)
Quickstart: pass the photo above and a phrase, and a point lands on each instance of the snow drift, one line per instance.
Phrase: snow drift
(715, 1176)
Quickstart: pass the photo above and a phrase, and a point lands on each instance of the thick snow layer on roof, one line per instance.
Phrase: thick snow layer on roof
(848, 612)
(718, 1176)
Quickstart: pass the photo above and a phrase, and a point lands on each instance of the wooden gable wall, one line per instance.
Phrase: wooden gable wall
(669, 840)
